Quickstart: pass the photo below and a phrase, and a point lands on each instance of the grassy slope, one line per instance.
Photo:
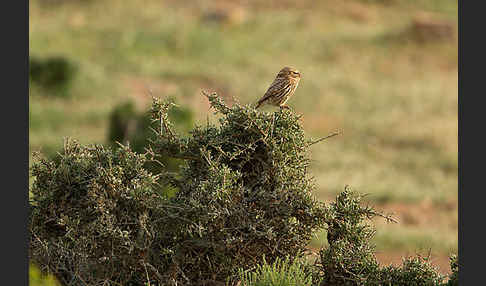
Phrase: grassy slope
(395, 100)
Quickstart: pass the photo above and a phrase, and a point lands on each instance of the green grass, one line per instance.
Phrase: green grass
(37, 278)
(278, 273)
(394, 99)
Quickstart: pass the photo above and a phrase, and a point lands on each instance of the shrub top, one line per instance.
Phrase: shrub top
(244, 186)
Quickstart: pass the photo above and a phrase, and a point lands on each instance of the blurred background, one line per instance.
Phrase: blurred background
(384, 72)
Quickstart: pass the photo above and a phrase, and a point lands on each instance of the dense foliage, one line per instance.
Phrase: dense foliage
(243, 211)
(94, 215)
(245, 189)
(349, 259)
(243, 193)
(129, 126)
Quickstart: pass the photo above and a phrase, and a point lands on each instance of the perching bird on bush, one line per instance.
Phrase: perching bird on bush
(282, 88)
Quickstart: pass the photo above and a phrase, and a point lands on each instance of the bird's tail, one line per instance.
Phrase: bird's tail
(259, 103)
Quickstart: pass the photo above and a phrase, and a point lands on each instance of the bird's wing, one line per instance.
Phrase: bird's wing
(276, 87)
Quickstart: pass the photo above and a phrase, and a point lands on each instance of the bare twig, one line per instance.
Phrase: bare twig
(258, 127)
(166, 127)
(326, 137)
(159, 276)
(388, 218)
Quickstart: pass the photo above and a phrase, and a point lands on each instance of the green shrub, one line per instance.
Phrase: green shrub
(282, 272)
(413, 271)
(245, 189)
(124, 120)
(54, 74)
(127, 125)
(94, 216)
(243, 193)
(349, 259)
(453, 277)
(243, 198)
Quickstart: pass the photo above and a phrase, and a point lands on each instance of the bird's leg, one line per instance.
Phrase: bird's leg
(284, 106)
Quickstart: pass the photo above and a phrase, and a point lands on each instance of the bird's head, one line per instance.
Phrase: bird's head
(289, 72)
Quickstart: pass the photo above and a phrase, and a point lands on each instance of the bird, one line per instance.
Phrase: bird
(281, 89)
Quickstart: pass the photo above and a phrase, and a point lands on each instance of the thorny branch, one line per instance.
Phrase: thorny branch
(326, 137)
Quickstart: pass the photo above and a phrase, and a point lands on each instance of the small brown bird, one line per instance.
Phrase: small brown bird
(282, 88)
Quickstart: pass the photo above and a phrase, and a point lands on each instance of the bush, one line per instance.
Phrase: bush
(243, 201)
(54, 74)
(349, 259)
(453, 278)
(413, 271)
(245, 190)
(243, 193)
(127, 125)
(94, 216)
